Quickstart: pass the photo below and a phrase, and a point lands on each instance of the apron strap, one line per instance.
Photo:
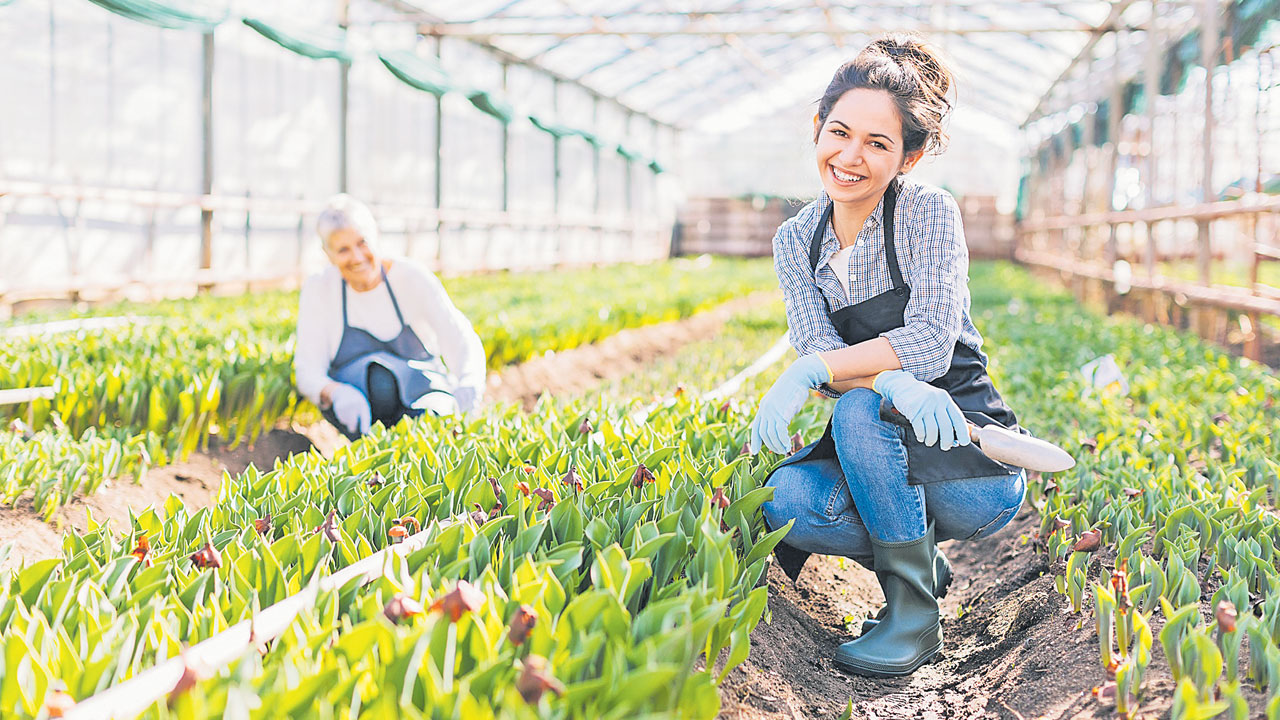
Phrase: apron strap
(886, 222)
(394, 304)
(345, 324)
(890, 250)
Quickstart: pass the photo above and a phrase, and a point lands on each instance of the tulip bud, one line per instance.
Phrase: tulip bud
(464, 598)
(207, 557)
(1226, 616)
(718, 499)
(521, 624)
(571, 479)
(1089, 541)
(641, 476)
(58, 703)
(523, 487)
(534, 681)
(548, 498)
(400, 607)
(263, 524)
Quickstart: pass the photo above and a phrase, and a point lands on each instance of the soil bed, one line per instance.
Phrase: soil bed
(1015, 651)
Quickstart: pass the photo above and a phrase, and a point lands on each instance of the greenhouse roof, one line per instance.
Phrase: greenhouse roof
(716, 64)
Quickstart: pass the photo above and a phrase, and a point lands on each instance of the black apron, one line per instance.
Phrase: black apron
(966, 380)
(359, 349)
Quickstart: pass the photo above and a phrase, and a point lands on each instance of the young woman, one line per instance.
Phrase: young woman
(874, 274)
(368, 352)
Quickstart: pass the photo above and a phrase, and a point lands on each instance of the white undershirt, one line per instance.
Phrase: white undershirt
(839, 264)
(427, 310)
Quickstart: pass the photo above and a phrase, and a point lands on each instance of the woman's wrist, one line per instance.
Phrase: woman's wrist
(326, 395)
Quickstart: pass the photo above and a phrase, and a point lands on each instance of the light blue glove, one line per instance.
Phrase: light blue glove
(784, 400)
(934, 416)
(467, 397)
(351, 407)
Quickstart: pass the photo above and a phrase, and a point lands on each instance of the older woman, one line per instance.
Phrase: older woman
(378, 338)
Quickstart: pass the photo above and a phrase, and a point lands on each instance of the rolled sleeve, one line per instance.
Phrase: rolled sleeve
(935, 313)
(310, 355)
(809, 326)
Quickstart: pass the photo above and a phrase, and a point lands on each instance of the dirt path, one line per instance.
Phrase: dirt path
(1014, 652)
(576, 371)
(196, 481)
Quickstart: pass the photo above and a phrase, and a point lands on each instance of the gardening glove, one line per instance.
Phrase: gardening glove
(784, 400)
(934, 416)
(351, 407)
(467, 398)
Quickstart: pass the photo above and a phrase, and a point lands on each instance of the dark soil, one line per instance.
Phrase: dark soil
(1012, 648)
(577, 371)
(196, 481)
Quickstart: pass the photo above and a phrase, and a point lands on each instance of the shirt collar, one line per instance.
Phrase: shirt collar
(830, 244)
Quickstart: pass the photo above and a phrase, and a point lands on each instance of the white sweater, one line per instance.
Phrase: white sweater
(426, 307)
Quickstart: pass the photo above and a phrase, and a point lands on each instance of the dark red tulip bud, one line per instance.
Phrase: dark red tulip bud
(1089, 541)
(641, 476)
(521, 624)
(401, 607)
(534, 681)
(464, 598)
(207, 557)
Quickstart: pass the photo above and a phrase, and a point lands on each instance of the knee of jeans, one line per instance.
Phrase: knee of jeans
(859, 404)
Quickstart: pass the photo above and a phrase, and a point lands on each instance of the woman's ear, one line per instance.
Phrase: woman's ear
(910, 161)
(817, 125)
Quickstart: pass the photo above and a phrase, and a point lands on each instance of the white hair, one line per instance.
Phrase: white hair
(344, 212)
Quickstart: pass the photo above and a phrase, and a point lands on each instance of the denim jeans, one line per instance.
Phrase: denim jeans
(840, 504)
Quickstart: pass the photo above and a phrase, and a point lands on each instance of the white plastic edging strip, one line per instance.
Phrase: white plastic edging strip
(762, 363)
(16, 396)
(133, 696)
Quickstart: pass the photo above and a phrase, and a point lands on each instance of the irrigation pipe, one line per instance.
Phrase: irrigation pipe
(66, 326)
(762, 363)
(133, 696)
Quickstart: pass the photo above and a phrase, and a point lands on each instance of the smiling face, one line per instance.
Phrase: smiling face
(354, 257)
(859, 147)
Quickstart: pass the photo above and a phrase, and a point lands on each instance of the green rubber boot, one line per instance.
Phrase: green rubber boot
(910, 633)
(941, 581)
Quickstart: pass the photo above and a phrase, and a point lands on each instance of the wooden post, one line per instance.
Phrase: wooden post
(1151, 88)
(1114, 127)
(1204, 235)
(206, 165)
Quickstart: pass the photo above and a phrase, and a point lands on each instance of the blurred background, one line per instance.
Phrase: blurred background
(150, 148)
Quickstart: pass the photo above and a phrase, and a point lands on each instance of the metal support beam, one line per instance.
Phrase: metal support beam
(506, 150)
(1117, 9)
(344, 101)
(206, 150)
(484, 33)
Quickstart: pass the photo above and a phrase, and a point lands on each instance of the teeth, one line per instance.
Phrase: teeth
(845, 177)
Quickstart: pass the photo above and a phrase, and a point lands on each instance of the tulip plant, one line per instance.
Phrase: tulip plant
(580, 560)
(186, 371)
(1175, 486)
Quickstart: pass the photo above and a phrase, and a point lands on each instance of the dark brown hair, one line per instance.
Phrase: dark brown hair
(913, 74)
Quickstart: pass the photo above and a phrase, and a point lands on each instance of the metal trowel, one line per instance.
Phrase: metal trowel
(1012, 448)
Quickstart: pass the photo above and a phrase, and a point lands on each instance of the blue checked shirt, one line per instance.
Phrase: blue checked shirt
(929, 238)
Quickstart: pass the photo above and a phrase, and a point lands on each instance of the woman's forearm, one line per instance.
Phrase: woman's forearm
(861, 362)
(844, 386)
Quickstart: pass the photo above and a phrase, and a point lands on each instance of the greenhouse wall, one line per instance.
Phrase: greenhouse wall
(102, 168)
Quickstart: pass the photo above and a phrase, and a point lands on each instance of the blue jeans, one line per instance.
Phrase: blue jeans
(840, 504)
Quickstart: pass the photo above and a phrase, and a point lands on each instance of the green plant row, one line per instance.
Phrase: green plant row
(222, 366)
(1175, 490)
(634, 542)
(702, 365)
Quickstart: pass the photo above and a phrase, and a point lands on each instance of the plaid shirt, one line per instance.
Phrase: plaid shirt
(929, 239)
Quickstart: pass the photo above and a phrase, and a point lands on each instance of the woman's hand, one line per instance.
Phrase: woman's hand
(784, 400)
(934, 416)
(351, 407)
